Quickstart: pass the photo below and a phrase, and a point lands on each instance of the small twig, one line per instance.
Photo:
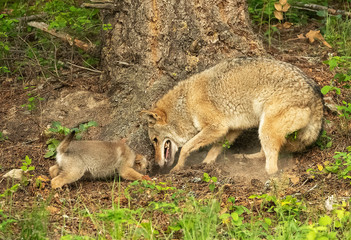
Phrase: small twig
(101, 1)
(56, 71)
(123, 63)
(85, 68)
(315, 7)
(64, 36)
(311, 189)
(32, 17)
(109, 6)
(35, 56)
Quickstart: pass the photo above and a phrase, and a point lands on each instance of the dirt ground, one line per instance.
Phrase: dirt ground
(81, 98)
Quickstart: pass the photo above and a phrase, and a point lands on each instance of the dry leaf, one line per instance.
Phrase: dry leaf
(283, 2)
(294, 179)
(287, 25)
(286, 7)
(43, 178)
(278, 15)
(301, 36)
(52, 210)
(278, 7)
(312, 35)
(326, 44)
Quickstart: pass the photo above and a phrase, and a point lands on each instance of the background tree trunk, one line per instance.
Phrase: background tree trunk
(156, 43)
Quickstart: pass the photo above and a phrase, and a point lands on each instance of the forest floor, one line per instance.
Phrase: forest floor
(81, 96)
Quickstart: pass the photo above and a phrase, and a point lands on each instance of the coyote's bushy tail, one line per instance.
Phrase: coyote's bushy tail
(62, 148)
(307, 135)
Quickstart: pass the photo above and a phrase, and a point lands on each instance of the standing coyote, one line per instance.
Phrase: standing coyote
(98, 158)
(237, 94)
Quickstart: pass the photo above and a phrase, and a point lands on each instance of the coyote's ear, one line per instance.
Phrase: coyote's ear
(155, 116)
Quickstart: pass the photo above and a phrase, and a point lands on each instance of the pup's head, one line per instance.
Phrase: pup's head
(161, 137)
(140, 164)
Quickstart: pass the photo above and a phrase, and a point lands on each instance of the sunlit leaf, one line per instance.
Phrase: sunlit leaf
(278, 7)
(286, 7)
(278, 15)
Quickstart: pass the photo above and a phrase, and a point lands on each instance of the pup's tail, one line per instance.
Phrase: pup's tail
(62, 148)
(306, 136)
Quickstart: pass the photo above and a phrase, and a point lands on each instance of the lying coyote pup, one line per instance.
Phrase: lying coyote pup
(97, 158)
(235, 95)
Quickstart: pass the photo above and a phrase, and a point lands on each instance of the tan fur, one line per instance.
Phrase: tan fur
(232, 96)
(97, 158)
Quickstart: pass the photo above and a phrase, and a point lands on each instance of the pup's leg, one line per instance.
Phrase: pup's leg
(275, 125)
(67, 176)
(207, 136)
(217, 148)
(54, 170)
(129, 173)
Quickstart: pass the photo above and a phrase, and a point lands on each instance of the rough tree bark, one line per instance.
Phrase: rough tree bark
(156, 43)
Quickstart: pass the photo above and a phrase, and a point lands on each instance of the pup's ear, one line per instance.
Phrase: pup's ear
(155, 116)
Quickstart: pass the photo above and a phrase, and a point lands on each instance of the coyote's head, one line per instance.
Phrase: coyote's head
(162, 137)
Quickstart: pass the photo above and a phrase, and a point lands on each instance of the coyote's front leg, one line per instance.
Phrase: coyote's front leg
(208, 135)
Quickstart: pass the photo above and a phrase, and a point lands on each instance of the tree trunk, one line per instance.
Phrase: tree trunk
(156, 43)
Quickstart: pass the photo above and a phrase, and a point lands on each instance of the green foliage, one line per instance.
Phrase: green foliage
(40, 52)
(342, 164)
(211, 180)
(5, 224)
(226, 144)
(9, 191)
(292, 136)
(3, 137)
(286, 208)
(261, 11)
(65, 16)
(235, 217)
(58, 129)
(199, 220)
(27, 169)
(122, 223)
(106, 27)
(337, 32)
(6, 30)
(26, 162)
(324, 141)
(345, 110)
(35, 221)
(342, 65)
(32, 100)
(52, 144)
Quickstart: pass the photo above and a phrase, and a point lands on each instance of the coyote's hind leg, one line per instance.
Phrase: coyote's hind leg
(275, 125)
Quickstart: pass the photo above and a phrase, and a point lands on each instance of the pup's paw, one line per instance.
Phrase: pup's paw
(56, 183)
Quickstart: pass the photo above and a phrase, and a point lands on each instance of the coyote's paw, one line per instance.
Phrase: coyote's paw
(272, 170)
(176, 168)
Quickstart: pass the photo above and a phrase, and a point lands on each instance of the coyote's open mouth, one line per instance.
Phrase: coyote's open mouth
(167, 151)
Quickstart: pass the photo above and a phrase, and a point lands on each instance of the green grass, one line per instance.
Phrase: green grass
(269, 217)
(26, 52)
(338, 34)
